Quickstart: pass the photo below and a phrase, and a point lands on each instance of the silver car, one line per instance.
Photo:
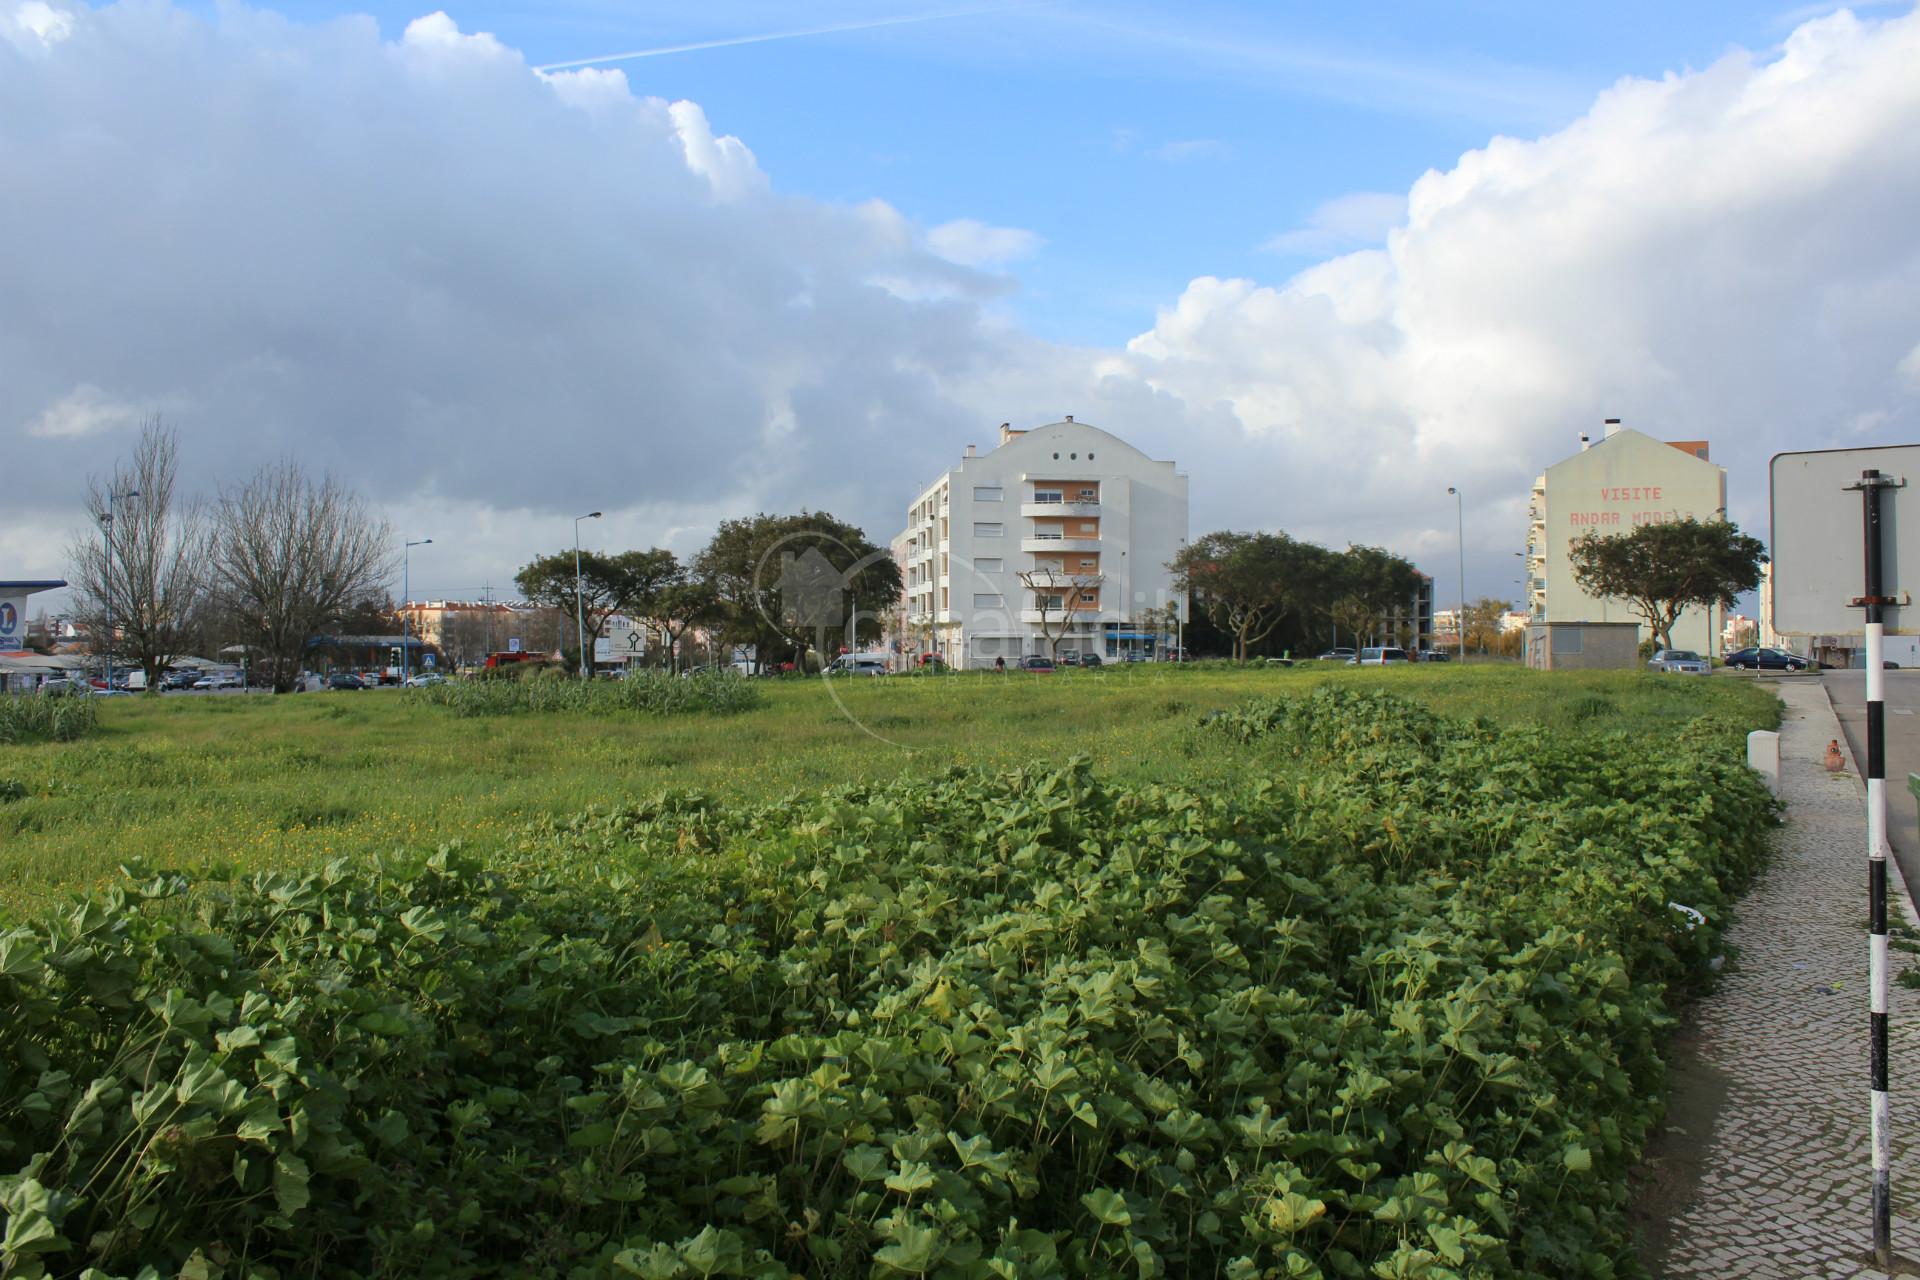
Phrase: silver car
(1680, 662)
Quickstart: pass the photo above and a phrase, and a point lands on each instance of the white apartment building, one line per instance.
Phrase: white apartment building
(1059, 538)
(1613, 485)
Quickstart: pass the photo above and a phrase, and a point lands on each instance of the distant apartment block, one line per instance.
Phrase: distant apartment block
(1612, 486)
(1056, 540)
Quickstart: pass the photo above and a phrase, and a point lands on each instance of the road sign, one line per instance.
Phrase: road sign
(429, 660)
(516, 645)
(603, 649)
(1818, 557)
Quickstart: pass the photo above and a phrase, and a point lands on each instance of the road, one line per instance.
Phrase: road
(1848, 689)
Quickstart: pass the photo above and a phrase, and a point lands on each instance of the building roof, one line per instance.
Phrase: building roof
(31, 584)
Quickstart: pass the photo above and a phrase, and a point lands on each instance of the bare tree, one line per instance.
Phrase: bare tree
(142, 578)
(1058, 596)
(290, 555)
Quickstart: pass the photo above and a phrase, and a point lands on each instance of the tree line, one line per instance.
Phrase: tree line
(266, 563)
(284, 556)
(1263, 593)
(739, 589)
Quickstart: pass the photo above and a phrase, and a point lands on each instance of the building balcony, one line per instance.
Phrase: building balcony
(1060, 578)
(920, 557)
(1044, 509)
(1054, 618)
(1057, 542)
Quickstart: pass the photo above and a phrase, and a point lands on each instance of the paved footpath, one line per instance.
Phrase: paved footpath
(1763, 1172)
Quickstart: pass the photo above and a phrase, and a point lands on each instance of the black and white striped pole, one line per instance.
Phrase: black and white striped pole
(1872, 483)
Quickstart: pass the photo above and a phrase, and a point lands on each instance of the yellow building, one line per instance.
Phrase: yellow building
(1613, 486)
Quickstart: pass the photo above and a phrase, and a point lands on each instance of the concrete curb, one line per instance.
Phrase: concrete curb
(1903, 895)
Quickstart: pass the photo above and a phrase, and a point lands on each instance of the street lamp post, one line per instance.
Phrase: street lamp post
(406, 598)
(579, 605)
(113, 554)
(1460, 543)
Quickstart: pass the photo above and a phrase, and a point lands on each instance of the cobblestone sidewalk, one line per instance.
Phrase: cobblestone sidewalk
(1767, 1140)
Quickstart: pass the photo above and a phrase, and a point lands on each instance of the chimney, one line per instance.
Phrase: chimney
(1069, 417)
(1585, 442)
(1007, 432)
(972, 452)
(1611, 426)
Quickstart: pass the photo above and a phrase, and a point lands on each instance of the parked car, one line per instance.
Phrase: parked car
(932, 660)
(859, 664)
(1038, 664)
(179, 679)
(1680, 662)
(65, 687)
(345, 680)
(218, 680)
(1435, 655)
(427, 678)
(1092, 660)
(1378, 656)
(1339, 653)
(1756, 658)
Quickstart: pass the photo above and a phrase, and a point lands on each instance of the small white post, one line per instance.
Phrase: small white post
(1763, 756)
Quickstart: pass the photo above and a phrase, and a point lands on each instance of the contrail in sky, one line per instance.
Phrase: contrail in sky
(865, 25)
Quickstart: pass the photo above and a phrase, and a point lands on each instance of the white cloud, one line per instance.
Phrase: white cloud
(493, 298)
(975, 244)
(1728, 254)
(1910, 367)
(84, 411)
(1358, 218)
(35, 26)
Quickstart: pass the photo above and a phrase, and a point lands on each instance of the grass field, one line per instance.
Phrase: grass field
(271, 782)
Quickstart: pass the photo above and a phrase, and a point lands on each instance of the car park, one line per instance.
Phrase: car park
(1038, 664)
(1679, 662)
(1760, 658)
(1380, 656)
(1339, 653)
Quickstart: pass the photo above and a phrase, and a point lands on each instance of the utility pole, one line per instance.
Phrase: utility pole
(113, 558)
(1460, 543)
(579, 603)
(406, 599)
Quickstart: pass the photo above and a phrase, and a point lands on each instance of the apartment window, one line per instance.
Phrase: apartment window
(1088, 495)
(990, 565)
(1047, 535)
(1088, 527)
(988, 600)
(1047, 495)
(943, 599)
(988, 529)
(1054, 603)
(1087, 564)
(988, 493)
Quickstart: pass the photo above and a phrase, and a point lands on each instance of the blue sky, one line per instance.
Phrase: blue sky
(1145, 145)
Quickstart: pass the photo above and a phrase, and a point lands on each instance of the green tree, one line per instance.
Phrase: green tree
(1249, 583)
(1661, 570)
(680, 607)
(785, 583)
(608, 584)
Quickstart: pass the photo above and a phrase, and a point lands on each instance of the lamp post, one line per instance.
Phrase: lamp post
(113, 553)
(1460, 543)
(579, 605)
(406, 598)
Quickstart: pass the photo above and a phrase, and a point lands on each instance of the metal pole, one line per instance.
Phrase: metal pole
(1875, 598)
(110, 558)
(406, 598)
(1460, 544)
(579, 605)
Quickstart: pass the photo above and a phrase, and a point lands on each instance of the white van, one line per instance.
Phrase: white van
(859, 664)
